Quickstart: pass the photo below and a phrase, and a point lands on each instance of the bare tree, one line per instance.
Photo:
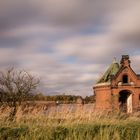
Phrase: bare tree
(16, 86)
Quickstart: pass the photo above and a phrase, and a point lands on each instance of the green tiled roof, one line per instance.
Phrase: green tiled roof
(112, 70)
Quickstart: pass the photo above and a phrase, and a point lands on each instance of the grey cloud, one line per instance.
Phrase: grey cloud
(61, 12)
(29, 28)
(16, 12)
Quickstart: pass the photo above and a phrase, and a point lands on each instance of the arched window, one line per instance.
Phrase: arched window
(125, 79)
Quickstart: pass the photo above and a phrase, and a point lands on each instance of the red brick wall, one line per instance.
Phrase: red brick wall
(107, 97)
(103, 97)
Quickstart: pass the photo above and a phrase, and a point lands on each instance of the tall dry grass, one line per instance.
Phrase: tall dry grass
(69, 122)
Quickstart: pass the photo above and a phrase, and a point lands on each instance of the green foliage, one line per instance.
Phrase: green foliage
(66, 99)
(41, 129)
(89, 99)
(59, 133)
(11, 133)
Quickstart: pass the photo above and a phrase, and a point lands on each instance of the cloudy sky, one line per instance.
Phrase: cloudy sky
(68, 43)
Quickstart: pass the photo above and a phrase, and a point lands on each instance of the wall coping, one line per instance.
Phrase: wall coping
(103, 84)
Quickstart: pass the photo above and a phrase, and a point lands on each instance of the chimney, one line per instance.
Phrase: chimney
(125, 61)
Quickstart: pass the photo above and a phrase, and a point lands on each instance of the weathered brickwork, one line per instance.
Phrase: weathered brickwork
(120, 90)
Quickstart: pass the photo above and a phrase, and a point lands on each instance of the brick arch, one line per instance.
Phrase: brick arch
(126, 90)
(125, 101)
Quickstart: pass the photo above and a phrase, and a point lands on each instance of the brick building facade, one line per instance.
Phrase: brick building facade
(118, 88)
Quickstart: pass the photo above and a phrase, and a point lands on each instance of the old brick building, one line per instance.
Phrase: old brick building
(118, 88)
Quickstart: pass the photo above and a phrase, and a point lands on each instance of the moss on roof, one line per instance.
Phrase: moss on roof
(112, 70)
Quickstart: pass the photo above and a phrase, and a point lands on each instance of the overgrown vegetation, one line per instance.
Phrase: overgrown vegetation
(16, 86)
(66, 99)
(39, 121)
(44, 128)
(81, 124)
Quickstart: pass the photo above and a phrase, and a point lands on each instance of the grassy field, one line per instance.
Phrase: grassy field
(78, 125)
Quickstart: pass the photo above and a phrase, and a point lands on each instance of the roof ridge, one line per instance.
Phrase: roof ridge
(112, 70)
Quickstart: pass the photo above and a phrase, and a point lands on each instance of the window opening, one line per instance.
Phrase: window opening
(125, 79)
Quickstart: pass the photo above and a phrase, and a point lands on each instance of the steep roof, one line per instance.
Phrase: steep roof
(112, 70)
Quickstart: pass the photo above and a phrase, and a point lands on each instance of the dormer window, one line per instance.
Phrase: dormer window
(125, 79)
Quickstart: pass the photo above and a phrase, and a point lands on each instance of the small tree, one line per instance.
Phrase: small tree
(16, 86)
